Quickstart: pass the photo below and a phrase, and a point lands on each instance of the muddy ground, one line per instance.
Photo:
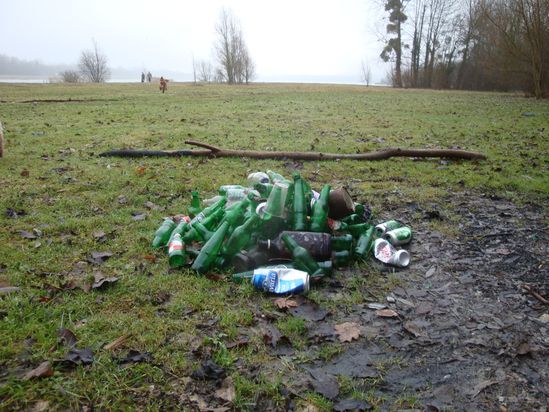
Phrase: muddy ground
(468, 336)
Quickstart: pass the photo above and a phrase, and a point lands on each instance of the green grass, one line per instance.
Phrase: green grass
(69, 193)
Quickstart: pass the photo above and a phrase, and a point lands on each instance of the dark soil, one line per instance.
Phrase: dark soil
(469, 336)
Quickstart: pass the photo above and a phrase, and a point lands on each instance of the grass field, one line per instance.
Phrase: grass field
(71, 202)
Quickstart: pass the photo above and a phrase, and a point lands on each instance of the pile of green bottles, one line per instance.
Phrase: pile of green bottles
(272, 220)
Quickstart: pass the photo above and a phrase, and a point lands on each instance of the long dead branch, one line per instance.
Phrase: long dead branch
(213, 151)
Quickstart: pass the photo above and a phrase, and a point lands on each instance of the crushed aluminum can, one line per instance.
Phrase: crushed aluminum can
(386, 253)
(281, 280)
(258, 177)
(384, 227)
(399, 236)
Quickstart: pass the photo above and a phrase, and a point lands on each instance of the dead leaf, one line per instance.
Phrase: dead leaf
(504, 251)
(135, 356)
(347, 331)
(67, 337)
(479, 387)
(98, 258)
(27, 235)
(79, 356)
(100, 280)
(44, 370)
(285, 303)
(25, 173)
(99, 235)
(115, 344)
(413, 329)
(122, 200)
(387, 313)
(40, 406)
(227, 391)
(140, 170)
(150, 258)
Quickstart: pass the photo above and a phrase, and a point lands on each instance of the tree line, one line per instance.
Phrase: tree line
(469, 44)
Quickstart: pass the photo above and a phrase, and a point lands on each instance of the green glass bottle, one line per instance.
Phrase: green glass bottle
(299, 215)
(162, 234)
(353, 219)
(209, 252)
(220, 204)
(194, 208)
(337, 225)
(176, 252)
(341, 258)
(181, 227)
(357, 230)
(241, 236)
(364, 243)
(264, 189)
(319, 214)
(235, 213)
(301, 257)
(276, 177)
(343, 242)
(207, 224)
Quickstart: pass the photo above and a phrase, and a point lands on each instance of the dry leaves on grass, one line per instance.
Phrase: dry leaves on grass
(347, 331)
(227, 391)
(285, 303)
(43, 370)
(387, 313)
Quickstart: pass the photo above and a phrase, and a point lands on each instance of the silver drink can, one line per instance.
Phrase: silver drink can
(384, 227)
(386, 253)
(399, 236)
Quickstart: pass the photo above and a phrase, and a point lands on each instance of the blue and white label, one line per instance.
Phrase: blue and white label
(281, 281)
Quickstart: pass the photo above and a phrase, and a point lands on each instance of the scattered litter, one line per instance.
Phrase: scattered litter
(274, 219)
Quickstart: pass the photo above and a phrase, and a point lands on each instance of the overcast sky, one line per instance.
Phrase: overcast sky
(297, 38)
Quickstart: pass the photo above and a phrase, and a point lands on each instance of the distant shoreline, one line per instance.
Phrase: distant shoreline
(267, 79)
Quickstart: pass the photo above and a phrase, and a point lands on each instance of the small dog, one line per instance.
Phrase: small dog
(163, 84)
(1, 141)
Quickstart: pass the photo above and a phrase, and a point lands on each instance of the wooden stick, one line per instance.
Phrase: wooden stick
(535, 294)
(214, 151)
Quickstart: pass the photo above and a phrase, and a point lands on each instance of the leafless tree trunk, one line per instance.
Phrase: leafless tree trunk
(205, 71)
(235, 63)
(524, 26)
(93, 65)
(365, 73)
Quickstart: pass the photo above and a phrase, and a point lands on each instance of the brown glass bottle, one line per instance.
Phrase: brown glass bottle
(319, 245)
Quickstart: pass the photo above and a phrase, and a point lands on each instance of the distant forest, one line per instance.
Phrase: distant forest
(12, 66)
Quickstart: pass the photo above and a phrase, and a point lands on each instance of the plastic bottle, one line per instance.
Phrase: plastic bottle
(258, 177)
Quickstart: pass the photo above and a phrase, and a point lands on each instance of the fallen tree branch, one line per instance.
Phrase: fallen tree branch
(213, 151)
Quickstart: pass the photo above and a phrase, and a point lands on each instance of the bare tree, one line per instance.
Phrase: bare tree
(365, 73)
(70, 76)
(234, 62)
(93, 65)
(205, 71)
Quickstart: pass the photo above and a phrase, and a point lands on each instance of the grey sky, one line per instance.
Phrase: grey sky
(285, 37)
